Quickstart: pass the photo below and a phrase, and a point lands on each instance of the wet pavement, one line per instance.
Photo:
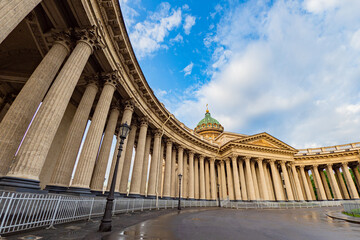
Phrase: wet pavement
(292, 224)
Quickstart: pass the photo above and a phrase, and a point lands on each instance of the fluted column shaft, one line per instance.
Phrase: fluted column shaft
(191, 176)
(202, 177)
(349, 181)
(146, 165)
(277, 182)
(185, 184)
(180, 170)
(207, 180)
(326, 185)
(297, 183)
(212, 179)
(306, 185)
(262, 179)
(33, 152)
(155, 170)
(321, 192)
(223, 180)
(236, 178)
(91, 145)
(289, 192)
(12, 12)
(168, 163)
(66, 161)
(97, 181)
(333, 183)
(14, 124)
(229, 179)
(139, 159)
(196, 178)
(243, 184)
(123, 187)
(174, 177)
(357, 175)
(220, 181)
(254, 178)
(249, 180)
(342, 183)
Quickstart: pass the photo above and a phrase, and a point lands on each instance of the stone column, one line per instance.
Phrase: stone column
(126, 118)
(219, 181)
(297, 183)
(146, 165)
(262, 179)
(196, 178)
(32, 154)
(306, 185)
(310, 185)
(123, 187)
(185, 182)
(85, 165)
(207, 180)
(191, 175)
(277, 181)
(180, 170)
(17, 119)
(168, 163)
(202, 178)
(223, 180)
(213, 179)
(12, 12)
(254, 178)
(156, 161)
(161, 171)
(229, 179)
(236, 177)
(356, 175)
(349, 181)
(270, 184)
(249, 180)
(289, 192)
(174, 176)
(334, 185)
(139, 160)
(242, 181)
(320, 191)
(97, 181)
(61, 177)
(326, 186)
(342, 184)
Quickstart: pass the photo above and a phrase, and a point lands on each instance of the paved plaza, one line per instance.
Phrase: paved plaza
(211, 223)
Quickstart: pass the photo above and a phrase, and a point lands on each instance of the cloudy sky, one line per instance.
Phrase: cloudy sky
(289, 68)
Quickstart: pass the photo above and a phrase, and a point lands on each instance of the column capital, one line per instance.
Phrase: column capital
(90, 36)
(180, 148)
(157, 133)
(201, 157)
(110, 78)
(315, 165)
(212, 160)
(259, 160)
(228, 159)
(191, 153)
(246, 157)
(92, 79)
(344, 163)
(330, 165)
(169, 142)
(129, 105)
(144, 122)
(271, 160)
(62, 37)
(115, 106)
(301, 166)
(233, 156)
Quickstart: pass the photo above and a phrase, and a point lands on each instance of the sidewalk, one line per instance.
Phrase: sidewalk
(87, 229)
(340, 216)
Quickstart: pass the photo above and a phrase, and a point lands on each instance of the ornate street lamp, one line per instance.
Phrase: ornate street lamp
(105, 225)
(218, 188)
(179, 204)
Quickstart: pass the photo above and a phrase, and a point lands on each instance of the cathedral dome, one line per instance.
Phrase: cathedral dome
(209, 127)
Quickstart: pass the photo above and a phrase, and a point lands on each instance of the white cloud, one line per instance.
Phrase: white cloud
(178, 38)
(284, 70)
(148, 36)
(188, 69)
(189, 23)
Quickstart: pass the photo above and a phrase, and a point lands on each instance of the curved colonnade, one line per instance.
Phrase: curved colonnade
(76, 63)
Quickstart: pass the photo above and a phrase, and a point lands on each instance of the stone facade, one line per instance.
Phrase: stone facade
(89, 68)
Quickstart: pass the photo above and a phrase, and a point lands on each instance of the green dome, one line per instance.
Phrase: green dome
(208, 126)
(208, 119)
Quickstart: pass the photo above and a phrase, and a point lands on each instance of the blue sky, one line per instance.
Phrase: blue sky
(290, 68)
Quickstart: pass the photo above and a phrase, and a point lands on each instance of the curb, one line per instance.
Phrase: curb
(343, 217)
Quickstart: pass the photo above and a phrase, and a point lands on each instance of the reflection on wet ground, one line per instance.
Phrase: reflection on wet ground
(216, 223)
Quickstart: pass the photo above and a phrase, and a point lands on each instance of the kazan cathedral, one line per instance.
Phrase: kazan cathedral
(63, 63)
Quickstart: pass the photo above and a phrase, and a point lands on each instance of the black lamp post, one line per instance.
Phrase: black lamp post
(179, 204)
(218, 187)
(105, 225)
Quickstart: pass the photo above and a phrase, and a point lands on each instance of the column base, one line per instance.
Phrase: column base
(21, 185)
(135, 195)
(79, 191)
(56, 189)
(150, 197)
(166, 198)
(98, 193)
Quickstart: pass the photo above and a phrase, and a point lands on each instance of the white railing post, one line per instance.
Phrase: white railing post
(6, 212)
(54, 215)
(114, 207)
(91, 208)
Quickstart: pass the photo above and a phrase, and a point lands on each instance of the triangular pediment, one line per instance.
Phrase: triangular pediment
(265, 140)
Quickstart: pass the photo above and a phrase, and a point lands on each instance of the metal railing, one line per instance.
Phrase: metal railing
(284, 205)
(352, 207)
(22, 211)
